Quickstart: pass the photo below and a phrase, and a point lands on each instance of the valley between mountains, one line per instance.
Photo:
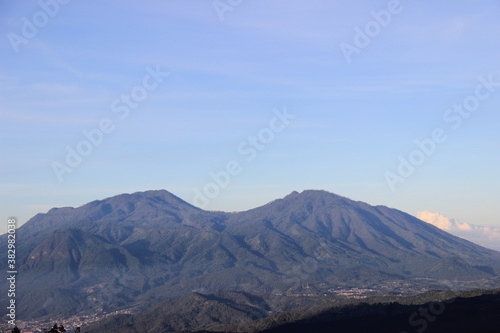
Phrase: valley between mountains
(132, 252)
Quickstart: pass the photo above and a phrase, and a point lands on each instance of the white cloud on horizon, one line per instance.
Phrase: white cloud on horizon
(487, 236)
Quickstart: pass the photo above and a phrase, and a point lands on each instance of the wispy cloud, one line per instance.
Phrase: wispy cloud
(488, 236)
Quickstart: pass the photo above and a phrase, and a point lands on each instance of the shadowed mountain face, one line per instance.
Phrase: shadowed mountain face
(135, 250)
(464, 313)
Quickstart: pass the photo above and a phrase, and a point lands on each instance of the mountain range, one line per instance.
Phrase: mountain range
(133, 251)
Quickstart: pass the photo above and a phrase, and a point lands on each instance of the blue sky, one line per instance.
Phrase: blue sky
(353, 116)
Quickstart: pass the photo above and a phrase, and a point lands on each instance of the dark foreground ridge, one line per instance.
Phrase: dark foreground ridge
(461, 314)
(124, 254)
(433, 312)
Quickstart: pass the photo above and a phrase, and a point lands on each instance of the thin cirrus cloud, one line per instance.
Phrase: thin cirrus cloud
(488, 236)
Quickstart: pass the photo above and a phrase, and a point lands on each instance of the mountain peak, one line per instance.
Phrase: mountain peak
(315, 194)
(154, 206)
(314, 198)
(155, 195)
